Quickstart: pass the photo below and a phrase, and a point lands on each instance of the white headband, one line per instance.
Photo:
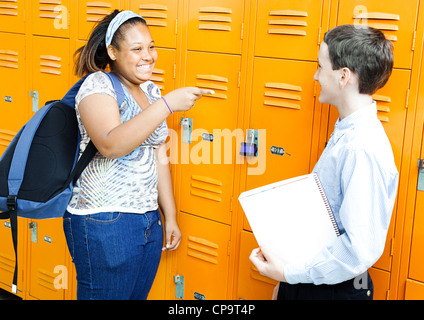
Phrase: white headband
(116, 22)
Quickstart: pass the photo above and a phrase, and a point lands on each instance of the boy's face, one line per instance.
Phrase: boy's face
(327, 77)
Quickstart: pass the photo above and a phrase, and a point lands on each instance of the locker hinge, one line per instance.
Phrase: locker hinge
(231, 203)
(239, 79)
(413, 40)
(175, 70)
(242, 30)
(176, 26)
(392, 246)
(407, 98)
(319, 35)
(315, 89)
(387, 294)
(229, 248)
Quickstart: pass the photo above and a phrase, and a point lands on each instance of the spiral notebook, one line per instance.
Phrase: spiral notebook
(292, 217)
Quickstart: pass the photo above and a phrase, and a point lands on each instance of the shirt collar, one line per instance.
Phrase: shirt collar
(351, 120)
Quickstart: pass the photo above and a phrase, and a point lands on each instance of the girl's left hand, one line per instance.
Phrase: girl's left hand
(172, 236)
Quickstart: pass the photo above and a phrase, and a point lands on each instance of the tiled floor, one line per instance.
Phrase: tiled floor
(4, 295)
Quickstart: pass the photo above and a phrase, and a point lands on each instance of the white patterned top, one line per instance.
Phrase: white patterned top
(127, 184)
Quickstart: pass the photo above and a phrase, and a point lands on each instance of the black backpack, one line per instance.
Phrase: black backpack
(40, 165)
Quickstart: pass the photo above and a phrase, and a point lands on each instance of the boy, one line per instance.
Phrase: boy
(356, 169)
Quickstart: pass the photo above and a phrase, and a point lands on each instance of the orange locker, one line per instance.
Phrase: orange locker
(90, 12)
(202, 259)
(381, 281)
(161, 17)
(251, 284)
(164, 71)
(51, 18)
(48, 261)
(13, 102)
(51, 70)
(12, 16)
(288, 29)
(207, 164)
(215, 25)
(416, 271)
(7, 255)
(414, 290)
(283, 103)
(397, 21)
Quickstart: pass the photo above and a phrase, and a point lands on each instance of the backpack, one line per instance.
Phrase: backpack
(40, 166)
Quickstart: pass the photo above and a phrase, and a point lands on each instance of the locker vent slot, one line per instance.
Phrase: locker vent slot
(9, 59)
(46, 279)
(382, 107)
(50, 64)
(7, 263)
(257, 276)
(158, 78)
(292, 21)
(282, 95)
(155, 14)
(215, 83)
(97, 10)
(385, 22)
(6, 137)
(9, 7)
(202, 249)
(47, 9)
(206, 187)
(216, 18)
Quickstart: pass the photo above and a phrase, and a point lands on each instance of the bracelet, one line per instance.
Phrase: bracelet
(167, 105)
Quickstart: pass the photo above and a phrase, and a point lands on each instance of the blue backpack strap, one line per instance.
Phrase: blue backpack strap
(117, 86)
(69, 98)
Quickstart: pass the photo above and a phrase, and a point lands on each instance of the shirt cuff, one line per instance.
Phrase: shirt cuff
(296, 274)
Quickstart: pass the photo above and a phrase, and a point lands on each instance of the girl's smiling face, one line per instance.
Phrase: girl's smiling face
(137, 55)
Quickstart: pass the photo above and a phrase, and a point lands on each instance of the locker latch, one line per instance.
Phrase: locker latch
(420, 184)
(33, 227)
(34, 96)
(250, 147)
(179, 287)
(187, 127)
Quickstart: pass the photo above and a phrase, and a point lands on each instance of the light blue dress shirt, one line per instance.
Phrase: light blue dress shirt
(360, 178)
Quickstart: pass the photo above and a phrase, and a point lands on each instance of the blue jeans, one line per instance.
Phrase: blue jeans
(116, 255)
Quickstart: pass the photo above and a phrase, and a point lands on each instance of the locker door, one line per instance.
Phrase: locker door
(282, 104)
(51, 69)
(288, 29)
(12, 16)
(164, 71)
(215, 25)
(13, 93)
(251, 284)
(202, 258)
(397, 21)
(207, 164)
(90, 12)
(161, 17)
(51, 18)
(48, 269)
(7, 253)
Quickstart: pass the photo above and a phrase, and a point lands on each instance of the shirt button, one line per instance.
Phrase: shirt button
(369, 293)
(159, 223)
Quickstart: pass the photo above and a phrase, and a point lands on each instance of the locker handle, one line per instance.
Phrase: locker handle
(33, 227)
(250, 147)
(34, 95)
